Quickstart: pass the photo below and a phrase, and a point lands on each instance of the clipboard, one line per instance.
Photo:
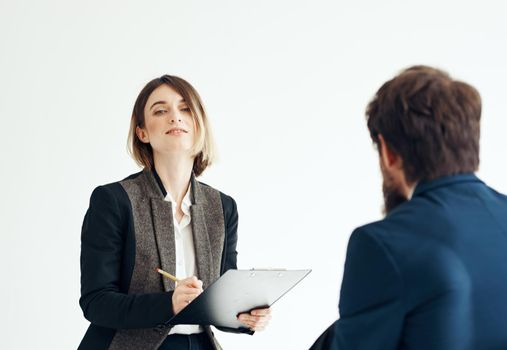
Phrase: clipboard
(235, 292)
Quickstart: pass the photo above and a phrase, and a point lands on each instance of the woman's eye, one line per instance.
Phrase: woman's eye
(160, 111)
(185, 109)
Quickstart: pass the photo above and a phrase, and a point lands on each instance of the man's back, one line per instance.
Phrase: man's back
(431, 275)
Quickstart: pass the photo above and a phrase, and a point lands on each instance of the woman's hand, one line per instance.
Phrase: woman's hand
(186, 290)
(256, 320)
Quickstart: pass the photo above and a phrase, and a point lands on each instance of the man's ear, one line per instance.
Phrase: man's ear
(142, 135)
(388, 157)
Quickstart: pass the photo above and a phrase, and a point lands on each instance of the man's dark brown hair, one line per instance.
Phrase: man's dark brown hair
(431, 120)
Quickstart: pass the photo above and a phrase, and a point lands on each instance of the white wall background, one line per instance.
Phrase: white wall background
(286, 84)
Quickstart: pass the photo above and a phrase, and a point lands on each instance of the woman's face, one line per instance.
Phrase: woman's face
(169, 125)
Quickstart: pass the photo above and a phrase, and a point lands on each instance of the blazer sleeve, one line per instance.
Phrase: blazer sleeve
(231, 234)
(371, 308)
(230, 256)
(102, 246)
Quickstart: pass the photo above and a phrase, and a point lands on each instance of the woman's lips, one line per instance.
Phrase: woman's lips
(176, 131)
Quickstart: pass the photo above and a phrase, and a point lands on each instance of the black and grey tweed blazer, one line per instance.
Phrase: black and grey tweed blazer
(127, 232)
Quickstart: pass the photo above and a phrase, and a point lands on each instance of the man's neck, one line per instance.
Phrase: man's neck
(409, 190)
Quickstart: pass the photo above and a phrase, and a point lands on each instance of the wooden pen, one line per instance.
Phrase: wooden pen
(166, 274)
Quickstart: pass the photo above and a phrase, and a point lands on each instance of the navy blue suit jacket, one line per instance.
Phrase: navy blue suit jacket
(432, 275)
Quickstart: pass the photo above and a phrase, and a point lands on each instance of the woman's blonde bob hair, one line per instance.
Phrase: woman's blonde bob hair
(203, 149)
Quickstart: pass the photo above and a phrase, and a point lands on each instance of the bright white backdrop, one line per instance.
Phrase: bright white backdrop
(285, 83)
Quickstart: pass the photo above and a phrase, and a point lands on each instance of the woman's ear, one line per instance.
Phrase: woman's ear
(142, 135)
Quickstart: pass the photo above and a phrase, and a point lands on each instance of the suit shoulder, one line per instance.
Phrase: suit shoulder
(113, 192)
(408, 214)
(374, 229)
(401, 225)
(114, 186)
(133, 176)
(226, 199)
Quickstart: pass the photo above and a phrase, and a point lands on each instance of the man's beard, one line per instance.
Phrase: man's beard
(392, 194)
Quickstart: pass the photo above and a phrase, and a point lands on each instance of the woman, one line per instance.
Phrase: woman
(160, 217)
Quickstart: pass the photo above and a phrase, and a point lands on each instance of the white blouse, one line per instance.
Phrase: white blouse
(185, 252)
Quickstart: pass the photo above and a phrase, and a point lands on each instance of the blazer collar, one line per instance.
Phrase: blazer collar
(425, 185)
(159, 189)
(161, 211)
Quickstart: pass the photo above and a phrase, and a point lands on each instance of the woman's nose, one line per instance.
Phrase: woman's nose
(175, 117)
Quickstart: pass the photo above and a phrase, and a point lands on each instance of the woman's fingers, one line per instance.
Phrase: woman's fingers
(189, 285)
(256, 326)
(261, 312)
(185, 292)
(256, 320)
(186, 296)
(192, 281)
(188, 290)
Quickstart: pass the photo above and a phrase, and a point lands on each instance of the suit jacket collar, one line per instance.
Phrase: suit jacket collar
(425, 185)
(195, 194)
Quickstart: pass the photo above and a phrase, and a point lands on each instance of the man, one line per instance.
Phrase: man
(433, 273)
